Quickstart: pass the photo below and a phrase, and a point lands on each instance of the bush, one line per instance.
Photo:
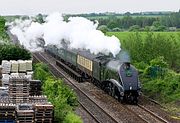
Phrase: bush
(41, 72)
(164, 89)
(61, 96)
(72, 118)
(161, 83)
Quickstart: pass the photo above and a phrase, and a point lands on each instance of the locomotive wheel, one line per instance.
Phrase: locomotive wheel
(135, 101)
(110, 89)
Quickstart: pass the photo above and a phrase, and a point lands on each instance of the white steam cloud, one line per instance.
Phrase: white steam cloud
(78, 32)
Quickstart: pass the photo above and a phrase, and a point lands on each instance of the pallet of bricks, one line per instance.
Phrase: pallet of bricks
(7, 113)
(43, 112)
(25, 113)
(19, 90)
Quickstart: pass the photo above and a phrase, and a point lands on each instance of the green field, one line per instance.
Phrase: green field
(125, 35)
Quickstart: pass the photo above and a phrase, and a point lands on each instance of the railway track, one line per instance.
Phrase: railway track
(94, 110)
(142, 113)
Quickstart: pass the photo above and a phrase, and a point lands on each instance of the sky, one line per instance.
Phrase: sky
(33, 7)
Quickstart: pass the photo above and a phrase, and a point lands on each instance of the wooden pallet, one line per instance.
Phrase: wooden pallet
(7, 111)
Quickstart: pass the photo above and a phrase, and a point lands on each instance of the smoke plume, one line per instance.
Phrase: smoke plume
(78, 33)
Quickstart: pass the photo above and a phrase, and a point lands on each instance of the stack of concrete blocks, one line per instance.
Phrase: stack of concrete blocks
(22, 68)
(12, 68)
(28, 65)
(6, 69)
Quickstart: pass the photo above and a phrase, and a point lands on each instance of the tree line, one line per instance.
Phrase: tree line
(169, 22)
(13, 52)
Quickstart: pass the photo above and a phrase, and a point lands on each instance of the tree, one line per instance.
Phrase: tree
(134, 28)
(112, 24)
(13, 52)
(103, 28)
(39, 18)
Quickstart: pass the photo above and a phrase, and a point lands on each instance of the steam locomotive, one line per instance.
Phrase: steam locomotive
(118, 78)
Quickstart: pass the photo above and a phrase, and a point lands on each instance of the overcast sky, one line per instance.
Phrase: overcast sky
(85, 6)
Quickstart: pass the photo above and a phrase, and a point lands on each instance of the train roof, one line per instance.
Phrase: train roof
(87, 54)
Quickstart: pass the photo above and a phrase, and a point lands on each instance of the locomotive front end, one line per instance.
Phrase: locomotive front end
(130, 82)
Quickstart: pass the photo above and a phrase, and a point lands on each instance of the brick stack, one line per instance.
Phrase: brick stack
(19, 90)
(25, 113)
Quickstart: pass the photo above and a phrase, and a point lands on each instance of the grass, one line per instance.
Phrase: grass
(125, 35)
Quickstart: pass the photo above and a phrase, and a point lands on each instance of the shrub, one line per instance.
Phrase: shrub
(61, 96)
(72, 118)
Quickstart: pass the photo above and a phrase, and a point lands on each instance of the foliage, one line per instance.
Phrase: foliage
(157, 68)
(124, 35)
(134, 28)
(103, 28)
(72, 118)
(39, 18)
(155, 55)
(157, 22)
(61, 96)
(163, 89)
(159, 61)
(41, 72)
(146, 46)
(13, 52)
(3, 35)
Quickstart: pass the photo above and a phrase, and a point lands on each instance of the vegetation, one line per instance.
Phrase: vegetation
(146, 46)
(61, 96)
(124, 35)
(157, 57)
(157, 21)
(3, 35)
(13, 52)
